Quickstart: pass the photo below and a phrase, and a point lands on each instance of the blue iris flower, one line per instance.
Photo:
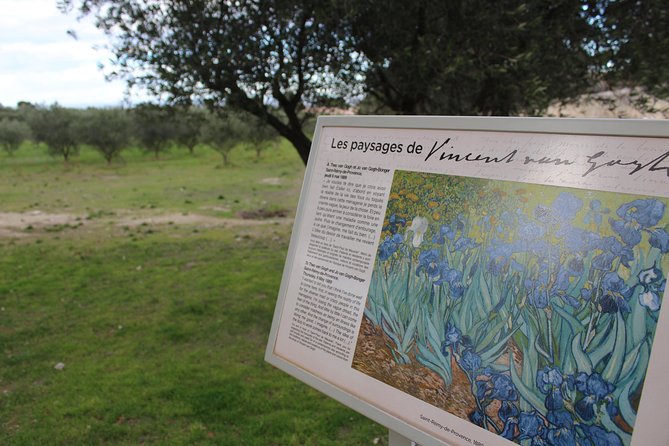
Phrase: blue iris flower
(459, 222)
(659, 238)
(394, 223)
(445, 232)
(566, 206)
(502, 388)
(450, 275)
(452, 337)
(464, 243)
(543, 214)
(457, 290)
(507, 410)
(390, 246)
(635, 216)
(629, 232)
(575, 265)
(561, 431)
(531, 426)
(500, 256)
(495, 386)
(470, 361)
(538, 295)
(548, 379)
(430, 262)
(577, 239)
(554, 400)
(561, 436)
(549, 382)
(595, 390)
(539, 298)
(508, 219)
(615, 295)
(595, 213)
(646, 212)
(508, 414)
(612, 250)
(529, 230)
(561, 418)
(453, 277)
(477, 417)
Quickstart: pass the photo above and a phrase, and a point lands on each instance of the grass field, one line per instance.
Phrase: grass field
(140, 315)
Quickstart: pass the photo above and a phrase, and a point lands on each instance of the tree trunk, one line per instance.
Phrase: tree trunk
(295, 135)
(292, 131)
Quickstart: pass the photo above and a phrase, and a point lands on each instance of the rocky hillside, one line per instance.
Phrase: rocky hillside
(619, 103)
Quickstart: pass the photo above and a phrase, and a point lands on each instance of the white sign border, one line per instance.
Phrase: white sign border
(567, 126)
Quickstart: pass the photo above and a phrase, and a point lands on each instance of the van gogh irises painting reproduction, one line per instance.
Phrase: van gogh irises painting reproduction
(529, 310)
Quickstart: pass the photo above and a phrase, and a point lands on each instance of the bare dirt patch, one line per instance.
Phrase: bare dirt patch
(168, 219)
(197, 220)
(14, 224)
(262, 214)
(274, 181)
(24, 224)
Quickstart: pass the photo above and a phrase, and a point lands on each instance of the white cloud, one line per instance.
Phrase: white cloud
(41, 63)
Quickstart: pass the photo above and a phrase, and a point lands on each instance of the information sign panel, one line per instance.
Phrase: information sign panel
(484, 281)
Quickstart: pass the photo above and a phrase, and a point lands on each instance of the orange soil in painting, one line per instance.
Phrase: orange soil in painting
(373, 358)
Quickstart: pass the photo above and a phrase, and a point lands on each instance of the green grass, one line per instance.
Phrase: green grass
(162, 331)
(175, 182)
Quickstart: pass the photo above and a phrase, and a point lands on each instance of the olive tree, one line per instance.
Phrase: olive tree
(223, 132)
(12, 133)
(55, 127)
(107, 130)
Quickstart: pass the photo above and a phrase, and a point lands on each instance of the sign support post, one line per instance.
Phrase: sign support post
(396, 439)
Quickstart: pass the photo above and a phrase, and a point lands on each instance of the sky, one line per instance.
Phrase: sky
(42, 64)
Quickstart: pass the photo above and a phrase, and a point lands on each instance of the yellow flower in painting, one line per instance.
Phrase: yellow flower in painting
(520, 191)
(413, 197)
(436, 216)
(394, 196)
(403, 192)
(432, 204)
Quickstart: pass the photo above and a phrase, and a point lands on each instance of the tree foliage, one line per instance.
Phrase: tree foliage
(223, 132)
(153, 127)
(278, 59)
(634, 42)
(188, 122)
(470, 58)
(55, 127)
(270, 58)
(258, 135)
(12, 133)
(107, 130)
